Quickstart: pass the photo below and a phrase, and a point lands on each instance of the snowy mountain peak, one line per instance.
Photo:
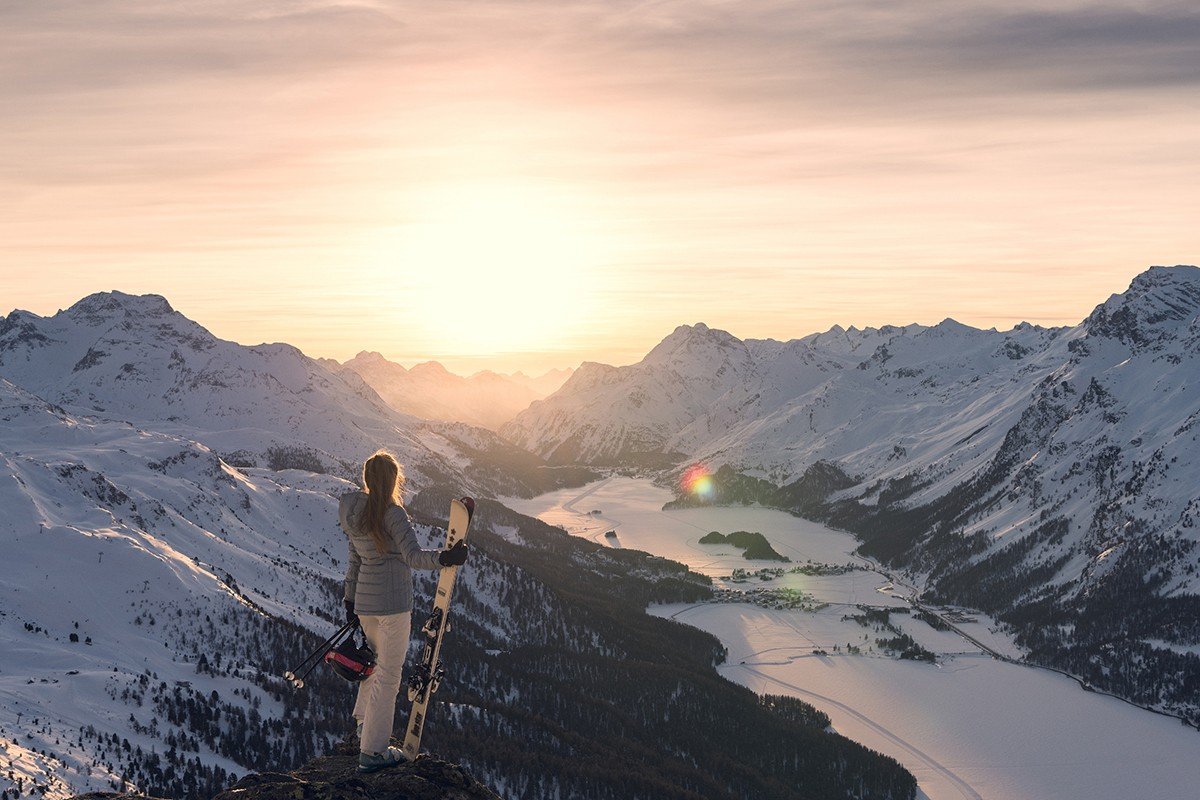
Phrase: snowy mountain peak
(432, 369)
(431, 391)
(697, 332)
(589, 375)
(952, 326)
(20, 329)
(684, 333)
(369, 357)
(1157, 302)
(1158, 275)
(138, 360)
(687, 340)
(106, 304)
(109, 319)
(837, 336)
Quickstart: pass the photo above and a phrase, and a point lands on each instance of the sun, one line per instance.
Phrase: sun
(497, 268)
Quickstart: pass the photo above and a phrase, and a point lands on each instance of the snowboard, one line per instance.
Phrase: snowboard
(427, 675)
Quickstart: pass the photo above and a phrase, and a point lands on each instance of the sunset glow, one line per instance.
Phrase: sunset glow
(493, 267)
(526, 186)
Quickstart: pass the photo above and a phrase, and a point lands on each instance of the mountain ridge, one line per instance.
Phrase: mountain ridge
(1045, 475)
(135, 358)
(429, 390)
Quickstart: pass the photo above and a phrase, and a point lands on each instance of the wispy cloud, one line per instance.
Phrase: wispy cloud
(768, 166)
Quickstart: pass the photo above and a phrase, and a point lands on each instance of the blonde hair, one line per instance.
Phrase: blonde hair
(383, 481)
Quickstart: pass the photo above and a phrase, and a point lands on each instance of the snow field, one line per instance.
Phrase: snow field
(117, 544)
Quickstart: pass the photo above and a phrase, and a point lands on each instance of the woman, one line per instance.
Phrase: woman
(379, 590)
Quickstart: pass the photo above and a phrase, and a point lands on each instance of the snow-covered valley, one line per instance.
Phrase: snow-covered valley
(967, 725)
(1046, 475)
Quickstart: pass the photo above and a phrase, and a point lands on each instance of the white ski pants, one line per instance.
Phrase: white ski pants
(375, 707)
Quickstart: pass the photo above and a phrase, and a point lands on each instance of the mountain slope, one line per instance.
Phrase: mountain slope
(136, 359)
(127, 554)
(631, 415)
(868, 397)
(153, 595)
(547, 383)
(1048, 476)
(1081, 528)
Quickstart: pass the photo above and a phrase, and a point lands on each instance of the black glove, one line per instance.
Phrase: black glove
(455, 556)
(350, 615)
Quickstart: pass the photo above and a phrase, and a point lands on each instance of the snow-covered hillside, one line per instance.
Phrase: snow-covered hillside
(1047, 475)
(547, 383)
(167, 494)
(153, 593)
(135, 359)
(429, 390)
(126, 555)
(773, 408)
(632, 415)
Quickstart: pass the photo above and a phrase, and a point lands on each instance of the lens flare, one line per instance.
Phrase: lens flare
(697, 480)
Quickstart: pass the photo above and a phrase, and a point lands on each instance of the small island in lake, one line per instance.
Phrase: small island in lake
(753, 544)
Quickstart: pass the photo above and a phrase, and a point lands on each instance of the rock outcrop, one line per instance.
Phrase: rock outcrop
(336, 777)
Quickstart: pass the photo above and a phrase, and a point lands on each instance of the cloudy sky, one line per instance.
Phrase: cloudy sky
(528, 184)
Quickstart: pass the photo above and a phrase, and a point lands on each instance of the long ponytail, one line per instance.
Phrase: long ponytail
(383, 480)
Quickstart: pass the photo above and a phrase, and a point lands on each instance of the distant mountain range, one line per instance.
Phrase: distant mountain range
(429, 390)
(137, 360)
(1048, 475)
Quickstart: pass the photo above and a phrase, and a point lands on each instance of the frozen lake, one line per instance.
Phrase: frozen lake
(966, 726)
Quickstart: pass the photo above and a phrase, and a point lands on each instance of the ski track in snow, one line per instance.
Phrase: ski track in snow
(963, 787)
